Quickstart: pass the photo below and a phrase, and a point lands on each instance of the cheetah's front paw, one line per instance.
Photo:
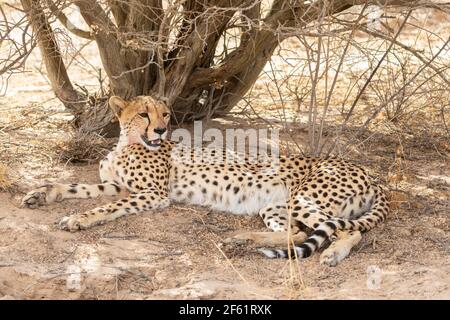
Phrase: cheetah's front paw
(333, 255)
(35, 198)
(42, 195)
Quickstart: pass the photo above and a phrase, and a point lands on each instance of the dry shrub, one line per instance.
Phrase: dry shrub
(346, 87)
(5, 182)
(82, 147)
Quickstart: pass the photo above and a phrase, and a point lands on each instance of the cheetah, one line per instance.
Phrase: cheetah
(334, 199)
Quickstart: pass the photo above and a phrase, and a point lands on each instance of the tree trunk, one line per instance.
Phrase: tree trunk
(95, 119)
(56, 70)
(112, 57)
(225, 85)
(169, 52)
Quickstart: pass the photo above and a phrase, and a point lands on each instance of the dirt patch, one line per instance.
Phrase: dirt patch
(178, 252)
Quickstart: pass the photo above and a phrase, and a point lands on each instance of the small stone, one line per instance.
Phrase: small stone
(404, 232)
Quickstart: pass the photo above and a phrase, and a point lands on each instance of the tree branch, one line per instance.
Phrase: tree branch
(66, 22)
(108, 47)
(209, 23)
(407, 48)
(282, 15)
(56, 70)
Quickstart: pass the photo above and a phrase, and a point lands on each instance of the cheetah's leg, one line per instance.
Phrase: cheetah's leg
(269, 238)
(340, 248)
(105, 170)
(308, 214)
(275, 217)
(135, 203)
(58, 192)
(310, 211)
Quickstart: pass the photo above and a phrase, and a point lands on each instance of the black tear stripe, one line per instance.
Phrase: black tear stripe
(146, 129)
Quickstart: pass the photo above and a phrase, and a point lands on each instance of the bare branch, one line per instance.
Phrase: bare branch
(108, 46)
(66, 22)
(56, 69)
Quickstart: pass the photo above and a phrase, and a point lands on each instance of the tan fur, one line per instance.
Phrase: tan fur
(329, 196)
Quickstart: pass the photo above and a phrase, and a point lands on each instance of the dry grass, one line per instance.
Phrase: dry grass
(82, 147)
(5, 182)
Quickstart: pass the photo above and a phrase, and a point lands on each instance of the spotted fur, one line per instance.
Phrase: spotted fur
(336, 199)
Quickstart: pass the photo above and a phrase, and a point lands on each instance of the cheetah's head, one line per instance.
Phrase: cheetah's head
(142, 120)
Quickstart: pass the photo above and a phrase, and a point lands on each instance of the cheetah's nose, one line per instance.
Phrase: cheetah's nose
(160, 130)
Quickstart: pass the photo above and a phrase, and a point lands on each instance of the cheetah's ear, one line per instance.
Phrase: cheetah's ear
(117, 104)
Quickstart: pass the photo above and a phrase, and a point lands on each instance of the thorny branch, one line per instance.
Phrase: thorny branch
(203, 57)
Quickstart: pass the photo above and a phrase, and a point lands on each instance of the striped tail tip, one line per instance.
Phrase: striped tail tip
(273, 253)
(283, 253)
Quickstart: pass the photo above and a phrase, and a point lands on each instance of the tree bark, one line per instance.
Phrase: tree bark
(108, 47)
(227, 82)
(196, 47)
(51, 54)
(184, 71)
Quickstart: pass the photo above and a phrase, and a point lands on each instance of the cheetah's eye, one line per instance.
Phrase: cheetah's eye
(143, 115)
(165, 114)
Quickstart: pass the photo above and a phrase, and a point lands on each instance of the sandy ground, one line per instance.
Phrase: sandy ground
(177, 253)
(180, 252)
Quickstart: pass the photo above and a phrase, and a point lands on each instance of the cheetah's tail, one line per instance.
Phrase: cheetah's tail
(370, 219)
